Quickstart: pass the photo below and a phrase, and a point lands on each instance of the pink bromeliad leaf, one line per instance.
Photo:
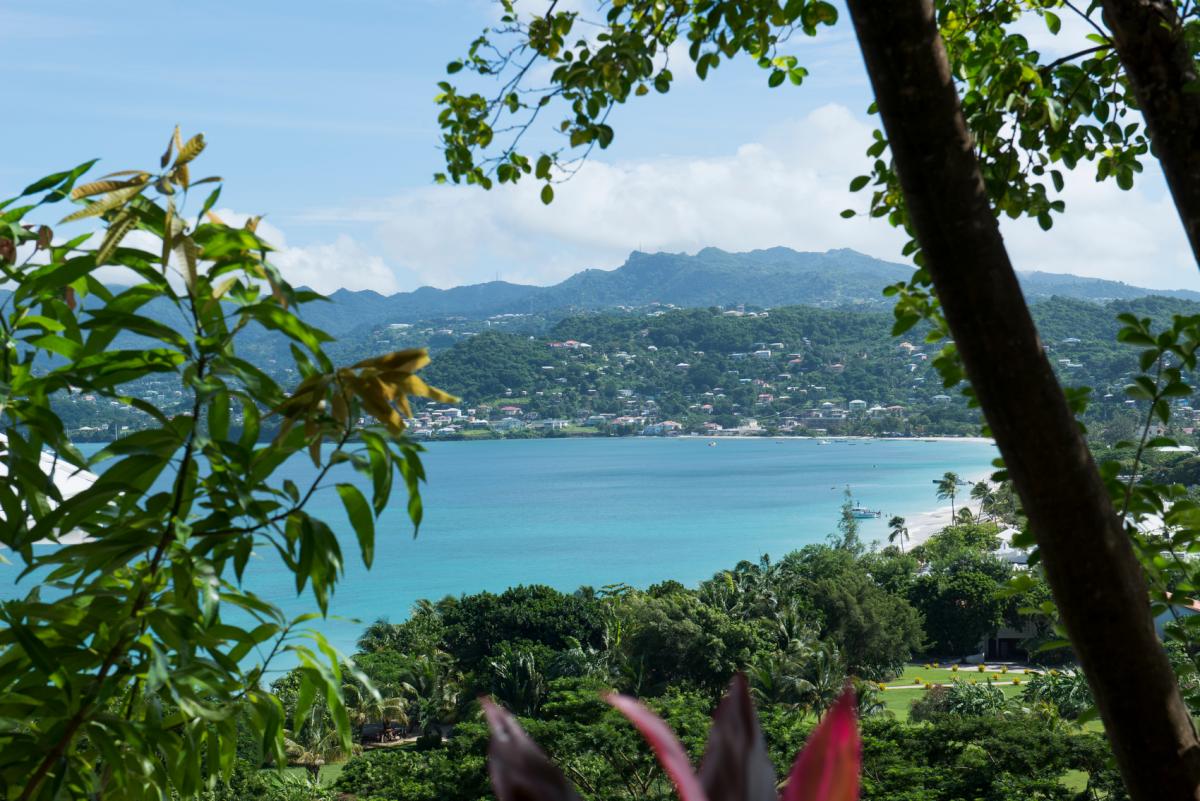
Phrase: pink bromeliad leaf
(520, 771)
(666, 746)
(736, 766)
(828, 767)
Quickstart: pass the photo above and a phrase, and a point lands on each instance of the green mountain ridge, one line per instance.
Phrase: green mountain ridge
(712, 277)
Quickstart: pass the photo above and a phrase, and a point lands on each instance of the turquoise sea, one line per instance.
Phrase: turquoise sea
(571, 512)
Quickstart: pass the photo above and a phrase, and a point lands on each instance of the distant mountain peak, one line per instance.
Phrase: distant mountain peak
(770, 277)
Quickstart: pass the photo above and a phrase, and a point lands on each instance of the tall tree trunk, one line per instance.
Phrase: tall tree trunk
(1150, 42)
(1096, 579)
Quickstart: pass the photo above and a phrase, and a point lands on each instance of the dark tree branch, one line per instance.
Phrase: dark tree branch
(1058, 62)
(1150, 39)
(1093, 572)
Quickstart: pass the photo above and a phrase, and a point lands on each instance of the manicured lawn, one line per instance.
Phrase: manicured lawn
(944, 674)
(898, 700)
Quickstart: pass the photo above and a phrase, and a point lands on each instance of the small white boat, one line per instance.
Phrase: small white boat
(863, 513)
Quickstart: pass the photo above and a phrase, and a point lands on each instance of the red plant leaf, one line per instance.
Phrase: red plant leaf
(521, 771)
(736, 766)
(828, 766)
(666, 747)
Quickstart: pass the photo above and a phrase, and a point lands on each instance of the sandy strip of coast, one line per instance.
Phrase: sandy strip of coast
(718, 436)
(926, 524)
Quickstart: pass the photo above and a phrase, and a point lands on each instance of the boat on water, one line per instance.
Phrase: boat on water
(863, 513)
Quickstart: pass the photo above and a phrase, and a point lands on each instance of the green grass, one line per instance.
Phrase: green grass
(899, 700)
(1074, 780)
(943, 674)
(329, 773)
(478, 433)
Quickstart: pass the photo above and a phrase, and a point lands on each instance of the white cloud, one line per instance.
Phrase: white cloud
(325, 267)
(787, 189)
(1133, 236)
(342, 263)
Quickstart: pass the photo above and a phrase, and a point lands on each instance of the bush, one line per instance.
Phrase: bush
(1067, 692)
(959, 699)
(403, 775)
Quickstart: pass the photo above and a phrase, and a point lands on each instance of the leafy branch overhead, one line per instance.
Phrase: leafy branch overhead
(152, 645)
(595, 65)
(1033, 115)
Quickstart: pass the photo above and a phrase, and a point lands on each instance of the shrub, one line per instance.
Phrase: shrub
(437, 775)
(961, 699)
(1067, 692)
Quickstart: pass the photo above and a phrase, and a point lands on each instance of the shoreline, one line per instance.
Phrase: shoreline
(925, 524)
(837, 438)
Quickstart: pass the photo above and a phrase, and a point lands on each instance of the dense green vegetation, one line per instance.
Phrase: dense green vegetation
(699, 366)
(799, 627)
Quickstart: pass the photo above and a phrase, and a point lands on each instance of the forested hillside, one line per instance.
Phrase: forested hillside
(795, 366)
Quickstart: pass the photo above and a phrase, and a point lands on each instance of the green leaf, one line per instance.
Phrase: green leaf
(57, 178)
(361, 519)
(547, 194)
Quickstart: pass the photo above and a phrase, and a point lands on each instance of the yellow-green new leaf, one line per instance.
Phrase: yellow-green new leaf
(192, 148)
(121, 226)
(100, 187)
(109, 202)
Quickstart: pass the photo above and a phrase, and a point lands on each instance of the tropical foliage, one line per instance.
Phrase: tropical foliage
(134, 655)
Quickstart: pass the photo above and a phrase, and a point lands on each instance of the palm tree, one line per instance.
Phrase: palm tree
(868, 700)
(982, 491)
(792, 631)
(517, 681)
(775, 678)
(899, 531)
(316, 743)
(366, 705)
(434, 687)
(380, 636)
(947, 489)
(826, 675)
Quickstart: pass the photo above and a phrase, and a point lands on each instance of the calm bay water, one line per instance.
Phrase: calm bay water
(570, 512)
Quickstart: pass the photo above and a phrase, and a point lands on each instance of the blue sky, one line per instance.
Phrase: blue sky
(320, 115)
